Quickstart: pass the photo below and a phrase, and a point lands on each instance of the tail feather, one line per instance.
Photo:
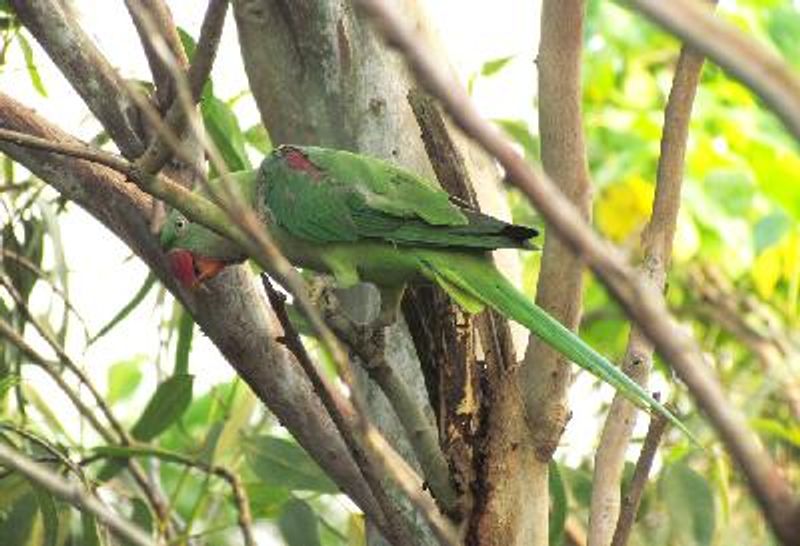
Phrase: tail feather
(477, 277)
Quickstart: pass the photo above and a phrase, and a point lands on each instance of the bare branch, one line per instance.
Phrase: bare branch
(643, 304)
(657, 249)
(95, 80)
(633, 497)
(162, 22)
(745, 59)
(545, 374)
(73, 494)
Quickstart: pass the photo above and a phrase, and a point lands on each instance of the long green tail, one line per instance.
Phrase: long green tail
(473, 282)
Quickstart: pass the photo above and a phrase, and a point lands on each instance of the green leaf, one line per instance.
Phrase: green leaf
(769, 230)
(137, 298)
(168, 403)
(123, 379)
(690, 505)
(558, 505)
(265, 500)
(224, 130)
(17, 525)
(257, 137)
(141, 516)
(283, 463)
(494, 66)
(90, 536)
(783, 26)
(731, 189)
(185, 333)
(30, 64)
(7, 383)
(298, 524)
(47, 508)
(188, 43)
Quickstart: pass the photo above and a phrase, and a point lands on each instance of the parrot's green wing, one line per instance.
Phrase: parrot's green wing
(329, 196)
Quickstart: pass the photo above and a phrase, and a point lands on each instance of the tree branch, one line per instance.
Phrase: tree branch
(162, 22)
(641, 302)
(545, 374)
(73, 494)
(657, 241)
(633, 497)
(758, 68)
(95, 80)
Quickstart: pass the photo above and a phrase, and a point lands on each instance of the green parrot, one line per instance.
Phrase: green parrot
(362, 219)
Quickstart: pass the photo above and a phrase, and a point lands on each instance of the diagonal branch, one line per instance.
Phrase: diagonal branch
(657, 249)
(162, 22)
(641, 302)
(745, 59)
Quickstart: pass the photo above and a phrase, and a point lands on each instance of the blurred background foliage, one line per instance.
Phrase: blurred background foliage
(734, 280)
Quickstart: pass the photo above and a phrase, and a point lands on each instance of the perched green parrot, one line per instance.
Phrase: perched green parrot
(363, 219)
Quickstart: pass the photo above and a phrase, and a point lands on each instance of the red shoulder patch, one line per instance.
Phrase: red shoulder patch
(298, 161)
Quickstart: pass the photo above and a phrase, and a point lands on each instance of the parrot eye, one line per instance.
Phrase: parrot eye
(180, 224)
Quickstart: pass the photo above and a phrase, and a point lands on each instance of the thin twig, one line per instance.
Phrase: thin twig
(149, 490)
(240, 498)
(73, 494)
(657, 240)
(643, 304)
(630, 504)
(163, 23)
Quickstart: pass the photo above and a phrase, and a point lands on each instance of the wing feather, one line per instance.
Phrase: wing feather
(334, 196)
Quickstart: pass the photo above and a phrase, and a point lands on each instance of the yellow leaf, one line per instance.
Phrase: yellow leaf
(623, 208)
(790, 255)
(767, 269)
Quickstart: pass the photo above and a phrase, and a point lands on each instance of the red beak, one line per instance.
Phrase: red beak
(192, 270)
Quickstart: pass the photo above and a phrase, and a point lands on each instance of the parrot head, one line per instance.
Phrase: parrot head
(195, 253)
